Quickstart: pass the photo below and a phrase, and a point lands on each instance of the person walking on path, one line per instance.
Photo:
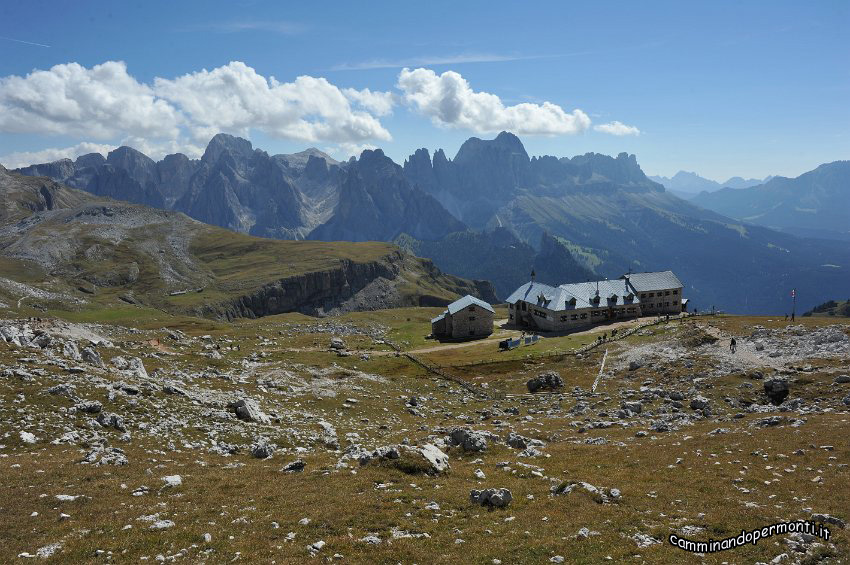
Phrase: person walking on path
(733, 345)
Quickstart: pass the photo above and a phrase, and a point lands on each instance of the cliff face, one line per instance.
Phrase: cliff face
(348, 287)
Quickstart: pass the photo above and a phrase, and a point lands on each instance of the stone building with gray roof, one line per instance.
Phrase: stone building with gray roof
(466, 318)
(541, 307)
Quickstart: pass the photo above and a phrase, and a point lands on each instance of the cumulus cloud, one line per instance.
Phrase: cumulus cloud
(101, 102)
(450, 102)
(617, 128)
(26, 158)
(234, 98)
(105, 102)
(379, 103)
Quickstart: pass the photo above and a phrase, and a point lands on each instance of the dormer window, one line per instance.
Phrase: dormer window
(572, 301)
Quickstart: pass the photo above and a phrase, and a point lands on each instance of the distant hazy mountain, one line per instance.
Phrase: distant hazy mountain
(490, 212)
(816, 203)
(687, 185)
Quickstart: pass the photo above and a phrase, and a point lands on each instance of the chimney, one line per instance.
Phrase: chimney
(532, 275)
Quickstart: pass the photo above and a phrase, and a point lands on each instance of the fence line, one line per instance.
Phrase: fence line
(601, 368)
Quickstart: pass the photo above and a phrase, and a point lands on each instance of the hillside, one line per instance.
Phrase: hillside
(60, 245)
(815, 204)
(830, 308)
(202, 441)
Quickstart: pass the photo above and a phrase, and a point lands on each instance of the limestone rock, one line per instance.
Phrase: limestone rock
(491, 497)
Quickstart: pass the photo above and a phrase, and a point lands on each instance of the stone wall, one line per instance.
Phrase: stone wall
(459, 325)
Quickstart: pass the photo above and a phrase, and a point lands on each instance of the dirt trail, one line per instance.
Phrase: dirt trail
(744, 351)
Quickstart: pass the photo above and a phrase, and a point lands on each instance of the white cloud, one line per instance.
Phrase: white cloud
(106, 103)
(377, 102)
(26, 158)
(234, 98)
(101, 103)
(617, 128)
(449, 101)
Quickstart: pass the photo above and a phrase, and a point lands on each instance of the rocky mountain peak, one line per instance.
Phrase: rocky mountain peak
(128, 158)
(89, 160)
(224, 142)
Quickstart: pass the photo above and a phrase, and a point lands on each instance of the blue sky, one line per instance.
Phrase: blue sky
(722, 88)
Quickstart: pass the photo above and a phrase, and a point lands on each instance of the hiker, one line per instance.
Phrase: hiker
(786, 316)
(792, 316)
(732, 345)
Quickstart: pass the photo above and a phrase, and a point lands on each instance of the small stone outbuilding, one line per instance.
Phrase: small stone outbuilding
(466, 318)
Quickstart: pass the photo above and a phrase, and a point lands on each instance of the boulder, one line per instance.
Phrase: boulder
(550, 380)
(491, 497)
(438, 460)
(262, 449)
(111, 420)
(635, 365)
(337, 343)
(517, 441)
(827, 519)
(699, 403)
(92, 357)
(633, 407)
(842, 379)
(248, 411)
(294, 467)
(468, 440)
(89, 406)
(776, 390)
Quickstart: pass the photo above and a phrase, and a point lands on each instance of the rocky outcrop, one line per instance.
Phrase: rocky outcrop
(350, 286)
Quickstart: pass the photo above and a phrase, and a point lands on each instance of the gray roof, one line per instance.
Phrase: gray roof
(468, 300)
(660, 280)
(560, 298)
(438, 318)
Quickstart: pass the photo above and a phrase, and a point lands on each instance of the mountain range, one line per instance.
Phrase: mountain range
(490, 212)
(687, 185)
(814, 204)
(68, 249)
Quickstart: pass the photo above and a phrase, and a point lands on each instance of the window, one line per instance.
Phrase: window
(472, 308)
(631, 310)
(658, 305)
(574, 317)
(584, 316)
(510, 306)
(472, 318)
(563, 318)
(594, 314)
(666, 304)
(675, 292)
(643, 295)
(651, 294)
(523, 307)
(666, 293)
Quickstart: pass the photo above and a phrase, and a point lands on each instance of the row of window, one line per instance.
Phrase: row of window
(660, 293)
